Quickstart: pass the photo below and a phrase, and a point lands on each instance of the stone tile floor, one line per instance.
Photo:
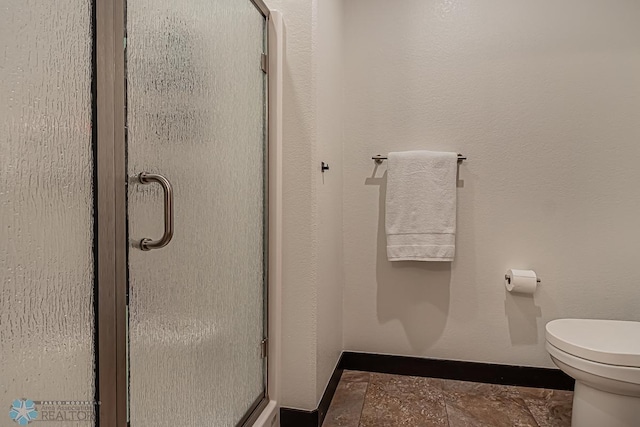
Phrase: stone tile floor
(366, 399)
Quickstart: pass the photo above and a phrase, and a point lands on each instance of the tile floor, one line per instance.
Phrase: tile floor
(366, 399)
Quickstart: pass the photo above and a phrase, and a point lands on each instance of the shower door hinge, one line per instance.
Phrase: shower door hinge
(264, 63)
(264, 347)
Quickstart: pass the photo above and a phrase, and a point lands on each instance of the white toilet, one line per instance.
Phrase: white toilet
(603, 356)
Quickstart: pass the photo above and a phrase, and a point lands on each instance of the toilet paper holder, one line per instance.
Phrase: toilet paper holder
(508, 279)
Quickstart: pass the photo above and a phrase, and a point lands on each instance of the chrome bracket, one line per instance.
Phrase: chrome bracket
(508, 279)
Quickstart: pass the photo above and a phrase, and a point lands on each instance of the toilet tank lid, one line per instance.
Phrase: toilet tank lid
(614, 342)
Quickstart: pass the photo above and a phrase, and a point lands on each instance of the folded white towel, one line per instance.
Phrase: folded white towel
(421, 206)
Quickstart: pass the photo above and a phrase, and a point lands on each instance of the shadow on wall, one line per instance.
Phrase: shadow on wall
(415, 293)
(522, 314)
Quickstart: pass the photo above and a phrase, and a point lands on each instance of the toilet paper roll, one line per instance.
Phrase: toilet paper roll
(521, 281)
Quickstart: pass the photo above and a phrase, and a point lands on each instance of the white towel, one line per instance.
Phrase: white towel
(421, 206)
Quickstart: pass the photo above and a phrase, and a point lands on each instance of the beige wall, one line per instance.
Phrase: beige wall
(329, 186)
(311, 315)
(544, 99)
(299, 248)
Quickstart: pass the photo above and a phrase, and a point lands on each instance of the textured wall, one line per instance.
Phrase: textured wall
(312, 202)
(329, 149)
(544, 99)
(299, 245)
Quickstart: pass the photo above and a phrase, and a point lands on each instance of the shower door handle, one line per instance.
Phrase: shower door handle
(147, 178)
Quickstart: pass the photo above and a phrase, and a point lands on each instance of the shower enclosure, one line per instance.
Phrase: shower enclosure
(133, 208)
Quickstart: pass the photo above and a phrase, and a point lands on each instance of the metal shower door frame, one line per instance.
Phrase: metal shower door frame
(111, 215)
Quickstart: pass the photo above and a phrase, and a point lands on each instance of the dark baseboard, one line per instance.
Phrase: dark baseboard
(329, 392)
(299, 418)
(455, 370)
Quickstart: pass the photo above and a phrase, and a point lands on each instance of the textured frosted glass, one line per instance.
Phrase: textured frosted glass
(196, 116)
(46, 203)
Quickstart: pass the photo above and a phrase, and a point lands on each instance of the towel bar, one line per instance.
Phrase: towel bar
(379, 158)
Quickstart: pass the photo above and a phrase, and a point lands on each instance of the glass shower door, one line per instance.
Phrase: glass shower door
(196, 116)
(47, 222)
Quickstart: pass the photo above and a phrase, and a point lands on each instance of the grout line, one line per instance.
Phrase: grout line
(526, 405)
(364, 399)
(446, 411)
(524, 401)
(443, 395)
